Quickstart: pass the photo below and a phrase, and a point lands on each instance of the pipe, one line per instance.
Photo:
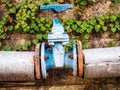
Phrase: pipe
(102, 62)
(16, 66)
(20, 66)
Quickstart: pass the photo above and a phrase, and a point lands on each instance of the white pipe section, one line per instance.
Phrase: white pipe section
(102, 62)
(16, 66)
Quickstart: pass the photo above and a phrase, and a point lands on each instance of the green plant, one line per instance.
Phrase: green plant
(81, 3)
(18, 47)
(26, 15)
(35, 41)
(112, 43)
(26, 45)
(115, 2)
(113, 18)
(86, 36)
(105, 28)
(0, 44)
(3, 36)
(39, 36)
(69, 45)
(10, 28)
(97, 28)
(7, 48)
(84, 44)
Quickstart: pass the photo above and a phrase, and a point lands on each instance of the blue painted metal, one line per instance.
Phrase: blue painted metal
(57, 34)
(58, 58)
(56, 7)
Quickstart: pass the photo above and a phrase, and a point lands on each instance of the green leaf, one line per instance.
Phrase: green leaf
(93, 0)
(10, 28)
(35, 41)
(111, 25)
(7, 48)
(83, 3)
(118, 14)
(25, 47)
(42, 20)
(12, 10)
(117, 22)
(92, 21)
(106, 16)
(119, 28)
(36, 28)
(45, 36)
(0, 44)
(86, 36)
(84, 44)
(78, 30)
(27, 43)
(112, 44)
(89, 30)
(74, 26)
(18, 47)
(113, 30)
(97, 28)
(2, 36)
(41, 2)
(48, 25)
(43, 28)
(101, 22)
(68, 23)
(105, 28)
(113, 18)
(39, 36)
(79, 23)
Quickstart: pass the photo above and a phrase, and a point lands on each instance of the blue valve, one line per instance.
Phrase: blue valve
(57, 57)
(57, 8)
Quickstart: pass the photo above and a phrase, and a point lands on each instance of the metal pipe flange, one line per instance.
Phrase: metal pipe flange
(80, 60)
(37, 62)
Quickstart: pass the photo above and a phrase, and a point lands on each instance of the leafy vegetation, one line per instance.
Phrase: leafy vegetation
(23, 18)
(82, 3)
(105, 23)
(115, 2)
(7, 48)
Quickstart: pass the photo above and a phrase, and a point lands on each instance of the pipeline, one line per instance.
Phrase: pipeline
(25, 66)
(32, 66)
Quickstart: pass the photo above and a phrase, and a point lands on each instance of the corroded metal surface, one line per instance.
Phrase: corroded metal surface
(102, 62)
(80, 59)
(37, 62)
(16, 66)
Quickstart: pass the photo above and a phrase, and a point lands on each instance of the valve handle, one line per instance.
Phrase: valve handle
(57, 8)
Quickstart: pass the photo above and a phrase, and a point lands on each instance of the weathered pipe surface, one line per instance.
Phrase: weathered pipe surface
(16, 66)
(102, 62)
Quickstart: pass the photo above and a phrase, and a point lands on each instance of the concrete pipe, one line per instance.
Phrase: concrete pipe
(16, 66)
(102, 62)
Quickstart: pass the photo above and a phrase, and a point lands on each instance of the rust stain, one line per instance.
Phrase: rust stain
(46, 57)
(79, 59)
(71, 56)
(36, 59)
